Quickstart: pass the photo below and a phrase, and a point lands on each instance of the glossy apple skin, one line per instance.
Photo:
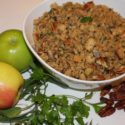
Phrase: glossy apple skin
(13, 49)
(10, 83)
(7, 97)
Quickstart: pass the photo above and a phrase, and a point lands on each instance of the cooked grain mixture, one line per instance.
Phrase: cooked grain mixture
(84, 41)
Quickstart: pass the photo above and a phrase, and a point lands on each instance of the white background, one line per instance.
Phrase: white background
(12, 14)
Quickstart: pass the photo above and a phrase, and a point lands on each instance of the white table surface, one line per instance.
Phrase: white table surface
(12, 14)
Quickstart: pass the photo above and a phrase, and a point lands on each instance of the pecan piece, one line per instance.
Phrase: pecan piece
(106, 111)
(105, 90)
(120, 87)
(116, 96)
(109, 102)
(120, 105)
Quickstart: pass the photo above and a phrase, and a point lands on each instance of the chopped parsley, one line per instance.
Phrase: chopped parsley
(86, 19)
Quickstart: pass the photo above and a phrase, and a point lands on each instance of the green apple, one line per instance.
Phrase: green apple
(13, 49)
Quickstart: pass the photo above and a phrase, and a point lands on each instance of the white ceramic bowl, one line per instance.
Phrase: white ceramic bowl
(117, 5)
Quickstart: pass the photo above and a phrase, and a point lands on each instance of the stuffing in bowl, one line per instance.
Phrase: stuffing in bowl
(81, 43)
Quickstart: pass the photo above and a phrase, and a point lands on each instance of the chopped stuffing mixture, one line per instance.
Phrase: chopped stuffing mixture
(84, 41)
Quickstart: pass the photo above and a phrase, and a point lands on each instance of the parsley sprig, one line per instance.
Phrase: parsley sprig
(47, 110)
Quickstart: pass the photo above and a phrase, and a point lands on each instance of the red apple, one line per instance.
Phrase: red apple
(10, 83)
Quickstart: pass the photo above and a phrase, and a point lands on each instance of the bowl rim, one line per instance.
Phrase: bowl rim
(89, 82)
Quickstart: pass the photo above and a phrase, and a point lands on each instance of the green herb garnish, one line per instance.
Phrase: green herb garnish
(86, 19)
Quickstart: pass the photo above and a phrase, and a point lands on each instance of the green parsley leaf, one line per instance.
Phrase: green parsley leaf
(80, 109)
(98, 106)
(80, 120)
(86, 19)
(88, 95)
(10, 113)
